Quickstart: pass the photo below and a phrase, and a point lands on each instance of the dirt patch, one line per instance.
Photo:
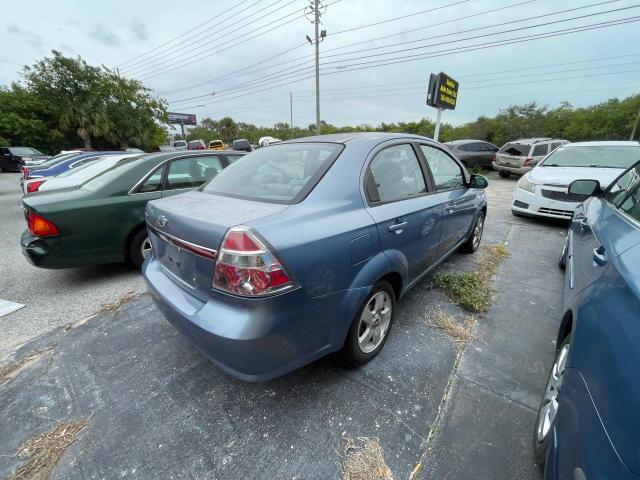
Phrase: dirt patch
(473, 290)
(45, 450)
(364, 460)
(461, 333)
(109, 307)
(9, 371)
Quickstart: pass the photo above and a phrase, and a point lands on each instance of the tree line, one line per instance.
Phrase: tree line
(610, 120)
(63, 103)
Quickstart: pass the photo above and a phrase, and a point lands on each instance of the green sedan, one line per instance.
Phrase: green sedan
(102, 220)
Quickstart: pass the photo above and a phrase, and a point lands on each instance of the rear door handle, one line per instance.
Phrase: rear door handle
(599, 256)
(449, 207)
(397, 227)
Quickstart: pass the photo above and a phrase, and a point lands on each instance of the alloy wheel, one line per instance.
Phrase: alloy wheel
(477, 231)
(549, 405)
(374, 321)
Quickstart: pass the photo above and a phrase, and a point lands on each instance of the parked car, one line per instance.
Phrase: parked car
(102, 221)
(242, 145)
(216, 145)
(62, 165)
(588, 421)
(197, 145)
(520, 156)
(303, 248)
(180, 144)
(543, 191)
(12, 159)
(63, 155)
(473, 152)
(74, 177)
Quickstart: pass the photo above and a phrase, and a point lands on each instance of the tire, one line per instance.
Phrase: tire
(562, 262)
(138, 242)
(504, 173)
(360, 346)
(546, 417)
(473, 242)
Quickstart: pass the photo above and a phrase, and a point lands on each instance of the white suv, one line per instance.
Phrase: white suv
(520, 156)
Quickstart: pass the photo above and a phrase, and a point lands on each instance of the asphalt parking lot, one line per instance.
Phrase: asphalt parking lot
(158, 409)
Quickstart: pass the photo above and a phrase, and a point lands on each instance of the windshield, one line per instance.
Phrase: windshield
(57, 159)
(24, 151)
(284, 173)
(516, 149)
(606, 156)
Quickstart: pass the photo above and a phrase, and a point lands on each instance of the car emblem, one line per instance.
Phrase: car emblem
(161, 221)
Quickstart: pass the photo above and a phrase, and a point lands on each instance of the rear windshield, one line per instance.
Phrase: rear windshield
(516, 149)
(61, 157)
(80, 167)
(284, 173)
(215, 143)
(24, 151)
(593, 156)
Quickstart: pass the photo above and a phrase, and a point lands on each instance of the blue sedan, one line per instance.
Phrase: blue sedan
(304, 248)
(588, 423)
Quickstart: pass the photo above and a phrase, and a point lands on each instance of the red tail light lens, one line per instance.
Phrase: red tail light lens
(529, 161)
(245, 266)
(40, 226)
(34, 186)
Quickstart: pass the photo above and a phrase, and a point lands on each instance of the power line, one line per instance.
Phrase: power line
(181, 35)
(234, 41)
(202, 44)
(468, 48)
(302, 71)
(235, 74)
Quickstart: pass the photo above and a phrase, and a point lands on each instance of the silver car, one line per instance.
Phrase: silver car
(520, 156)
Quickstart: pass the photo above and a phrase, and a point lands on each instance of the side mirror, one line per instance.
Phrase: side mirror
(478, 181)
(587, 188)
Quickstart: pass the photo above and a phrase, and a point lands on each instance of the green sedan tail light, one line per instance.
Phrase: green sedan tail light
(245, 266)
(40, 226)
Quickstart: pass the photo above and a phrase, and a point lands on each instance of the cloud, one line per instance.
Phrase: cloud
(105, 36)
(31, 38)
(139, 30)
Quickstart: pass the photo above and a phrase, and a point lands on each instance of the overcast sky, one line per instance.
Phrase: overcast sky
(583, 68)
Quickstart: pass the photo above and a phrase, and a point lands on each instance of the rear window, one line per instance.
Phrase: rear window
(606, 156)
(24, 151)
(240, 143)
(215, 143)
(516, 149)
(284, 173)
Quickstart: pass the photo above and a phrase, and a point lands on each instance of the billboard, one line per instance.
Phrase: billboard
(443, 91)
(182, 118)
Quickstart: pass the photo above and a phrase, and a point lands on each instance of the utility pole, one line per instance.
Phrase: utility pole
(291, 112)
(313, 13)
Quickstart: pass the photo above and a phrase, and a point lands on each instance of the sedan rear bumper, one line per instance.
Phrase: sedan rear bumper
(255, 339)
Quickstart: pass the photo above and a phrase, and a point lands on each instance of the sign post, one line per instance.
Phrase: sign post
(442, 95)
(182, 119)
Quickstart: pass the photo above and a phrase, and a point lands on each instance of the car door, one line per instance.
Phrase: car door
(459, 202)
(488, 153)
(406, 214)
(597, 233)
(186, 173)
(4, 157)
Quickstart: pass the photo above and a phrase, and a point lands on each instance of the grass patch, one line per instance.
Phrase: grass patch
(461, 333)
(45, 450)
(477, 170)
(364, 460)
(473, 290)
(108, 307)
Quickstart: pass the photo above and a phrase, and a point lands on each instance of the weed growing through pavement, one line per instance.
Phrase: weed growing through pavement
(107, 307)
(461, 333)
(473, 290)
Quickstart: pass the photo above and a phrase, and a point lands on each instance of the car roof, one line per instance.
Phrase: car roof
(537, 140)
(465, 141)
(356, 137)
(606, 143)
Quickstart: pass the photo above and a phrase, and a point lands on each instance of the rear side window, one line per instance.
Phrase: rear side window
(516, 149)
(619, 189)
(192, 172)
(631, 205)
(397, 174)
(283, 173)
(540, 150)
(233, 158)
(446, 172)
(153, 183)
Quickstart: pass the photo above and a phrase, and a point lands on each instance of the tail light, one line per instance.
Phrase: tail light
(493, 159)
(529, 161)
(245, 266)
(34, 186)
(40, 226)
(25, 172)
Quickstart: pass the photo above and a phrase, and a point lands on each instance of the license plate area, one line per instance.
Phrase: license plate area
(178, 262)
